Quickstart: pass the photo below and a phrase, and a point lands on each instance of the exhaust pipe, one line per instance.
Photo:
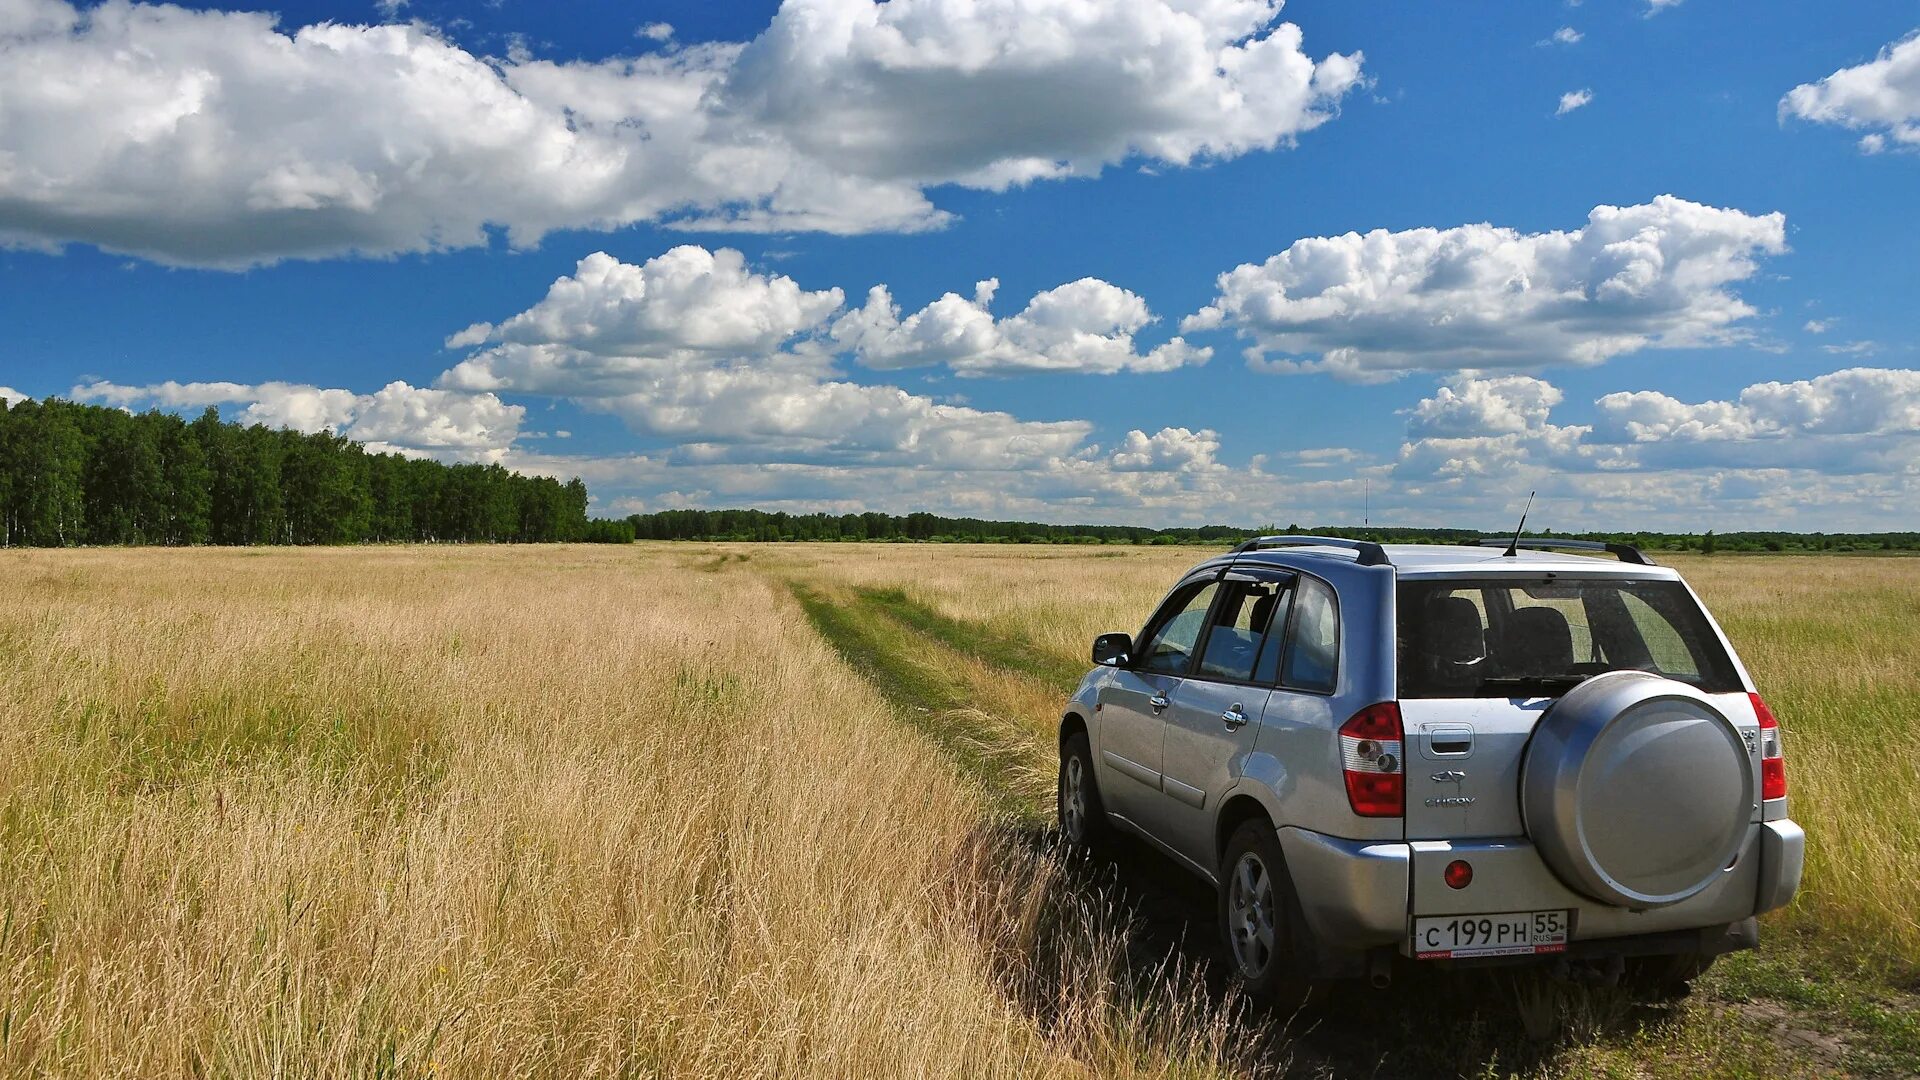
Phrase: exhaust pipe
(1380, 969)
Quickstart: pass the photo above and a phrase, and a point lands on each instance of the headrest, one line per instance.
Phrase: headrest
(1453, 633)
(1539, 641)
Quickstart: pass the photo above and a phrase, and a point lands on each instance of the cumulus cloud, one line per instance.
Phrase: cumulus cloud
(1657, 275)
(1083, 326)
(1818, 326)
(397, 417)
(1655, 7)
(11, 396)
(1176, 449)
(1499, 406)
(216, 138)
(695, 346)
(1856, 401)
(1573, 99)
(1880, 97)
(686, 302)
(1566, 35)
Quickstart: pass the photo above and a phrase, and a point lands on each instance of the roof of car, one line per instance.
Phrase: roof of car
(1416, 559)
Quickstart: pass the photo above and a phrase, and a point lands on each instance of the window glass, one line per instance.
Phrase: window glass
(1504, 637)
(1169, 647)
(1313, 649)
(1666, 648)
(1237, 633)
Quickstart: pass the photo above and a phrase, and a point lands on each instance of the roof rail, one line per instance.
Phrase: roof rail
(1369, 553)
(1626, 553)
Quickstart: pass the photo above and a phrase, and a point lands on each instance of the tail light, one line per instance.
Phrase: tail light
(1371, 758)
(1773, 764)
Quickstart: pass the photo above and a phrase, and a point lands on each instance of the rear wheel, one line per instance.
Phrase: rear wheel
(1083, 820)
(1259, 918)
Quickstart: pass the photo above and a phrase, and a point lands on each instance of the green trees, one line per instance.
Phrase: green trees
(83, 474)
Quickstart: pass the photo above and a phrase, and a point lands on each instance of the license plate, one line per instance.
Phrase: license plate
(1515, 933)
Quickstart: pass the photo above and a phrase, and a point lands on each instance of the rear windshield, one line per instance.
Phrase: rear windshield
(1517, 637)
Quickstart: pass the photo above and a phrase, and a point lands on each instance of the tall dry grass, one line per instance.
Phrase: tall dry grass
(490, 812)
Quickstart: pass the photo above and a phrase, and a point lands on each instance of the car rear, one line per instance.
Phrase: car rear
(1586, 766)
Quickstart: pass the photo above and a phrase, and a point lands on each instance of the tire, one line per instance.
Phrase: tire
(1669, 976)
(1077, 806)
(1260, 918)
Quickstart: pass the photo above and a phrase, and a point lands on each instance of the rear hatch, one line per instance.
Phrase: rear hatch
(1482, 658)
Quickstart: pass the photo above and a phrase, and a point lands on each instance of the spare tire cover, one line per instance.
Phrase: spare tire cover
(1636, 790)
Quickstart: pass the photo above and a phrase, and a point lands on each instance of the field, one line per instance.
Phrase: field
(712, 810)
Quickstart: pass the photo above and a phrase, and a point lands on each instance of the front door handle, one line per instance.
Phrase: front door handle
(1233, 716)
(1159, 701)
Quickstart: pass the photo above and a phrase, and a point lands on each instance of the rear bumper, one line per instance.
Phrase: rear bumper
(1353, 893)
(1361, 894)
(1783, 853)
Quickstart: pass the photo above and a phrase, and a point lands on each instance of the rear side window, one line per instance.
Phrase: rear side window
(1511, 637)
(1313, 651)
(1240, 637)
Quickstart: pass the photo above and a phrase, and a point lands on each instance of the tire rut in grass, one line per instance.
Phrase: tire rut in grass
(984, 748)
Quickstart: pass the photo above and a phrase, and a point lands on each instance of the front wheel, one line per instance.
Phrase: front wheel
(1083, 820)
(1259, 918)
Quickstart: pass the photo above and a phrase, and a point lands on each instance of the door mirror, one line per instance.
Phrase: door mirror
(1112, 650)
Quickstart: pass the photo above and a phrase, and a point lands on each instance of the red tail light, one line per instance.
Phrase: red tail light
(1773, 763)
(1371, 758)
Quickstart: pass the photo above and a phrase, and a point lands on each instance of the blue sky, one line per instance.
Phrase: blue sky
(297, 219)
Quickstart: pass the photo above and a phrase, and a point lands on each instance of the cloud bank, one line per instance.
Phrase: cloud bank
(212, 138)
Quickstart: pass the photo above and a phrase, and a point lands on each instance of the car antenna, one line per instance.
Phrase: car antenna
(1513, 549)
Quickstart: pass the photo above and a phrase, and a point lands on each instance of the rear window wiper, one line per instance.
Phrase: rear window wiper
(1551, 683)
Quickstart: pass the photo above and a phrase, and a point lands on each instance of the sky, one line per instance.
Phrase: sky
(1161, 262)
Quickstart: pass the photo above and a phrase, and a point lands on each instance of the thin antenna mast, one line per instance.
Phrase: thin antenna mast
(1513, 549)
(1366, 507)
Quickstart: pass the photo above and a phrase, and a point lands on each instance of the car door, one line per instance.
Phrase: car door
(1212, 720)
(1133, 702)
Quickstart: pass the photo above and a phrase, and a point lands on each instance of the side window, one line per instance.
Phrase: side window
(1169, 646)
(1237, 634)
(1313, 650)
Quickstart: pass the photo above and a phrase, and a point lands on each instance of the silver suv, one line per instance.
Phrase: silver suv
(1443, 754)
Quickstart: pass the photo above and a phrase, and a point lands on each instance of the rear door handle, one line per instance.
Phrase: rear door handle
(1159, 701)
(1233, 716)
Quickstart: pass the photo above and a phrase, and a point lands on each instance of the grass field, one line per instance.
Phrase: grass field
(768, 810)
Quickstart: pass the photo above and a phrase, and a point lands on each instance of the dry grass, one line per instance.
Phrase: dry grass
(590, 811)
(499, 812)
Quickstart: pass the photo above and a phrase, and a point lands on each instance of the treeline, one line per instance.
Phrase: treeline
(764, 526)
(84, 474)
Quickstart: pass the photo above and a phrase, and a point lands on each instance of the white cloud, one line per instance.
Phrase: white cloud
(1175, 449)
(390, 9)
(397, 417)
(1855, 401)
(1881, 97)
(1566, 35)
(686, 302)
(1477, 296)
(1505, 405)
(216, 138)
(1853, 348)
(1083, 326)
(11, 396)
(1818, 326)
(655, 31)
(1655, 7)
(1573, 99)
